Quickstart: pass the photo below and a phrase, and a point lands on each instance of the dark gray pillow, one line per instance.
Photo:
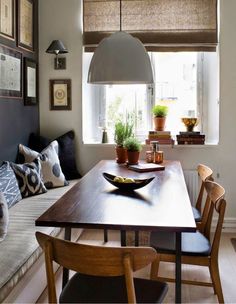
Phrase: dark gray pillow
(8, 185)
(66, 152)
(29, 178)
(4, 217)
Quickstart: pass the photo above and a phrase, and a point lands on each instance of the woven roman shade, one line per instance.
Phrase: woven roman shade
(161, 25)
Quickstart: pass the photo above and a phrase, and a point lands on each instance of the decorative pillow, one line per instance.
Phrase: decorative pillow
(4, 217)
(29, 178)
(51, 169)
(8, 185)
(37, 142)
(66, 151)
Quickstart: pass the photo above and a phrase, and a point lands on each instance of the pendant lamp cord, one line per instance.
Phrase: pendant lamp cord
(120, 16)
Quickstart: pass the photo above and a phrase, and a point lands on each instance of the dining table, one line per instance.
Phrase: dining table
(93, 203)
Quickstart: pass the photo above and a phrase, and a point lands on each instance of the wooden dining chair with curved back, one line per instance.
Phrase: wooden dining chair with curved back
(103, 274)
(199, 212)
(197, 249)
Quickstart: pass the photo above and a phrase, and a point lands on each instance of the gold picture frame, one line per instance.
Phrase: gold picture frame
(26, 24)
(60, 94)
(7, 17)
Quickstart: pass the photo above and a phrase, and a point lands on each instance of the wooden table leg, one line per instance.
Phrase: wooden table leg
(123, 238)
(65, 276)
(178, 268)
(136, 238)
(105, 231)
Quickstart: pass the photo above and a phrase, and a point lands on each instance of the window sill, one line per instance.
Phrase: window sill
(175, 146)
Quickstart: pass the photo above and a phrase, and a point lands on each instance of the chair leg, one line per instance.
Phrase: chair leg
(155, 268)
(215, 276)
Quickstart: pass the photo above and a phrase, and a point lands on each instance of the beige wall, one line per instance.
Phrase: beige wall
(61, 19)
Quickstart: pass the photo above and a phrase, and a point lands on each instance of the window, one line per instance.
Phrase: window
(187, 82)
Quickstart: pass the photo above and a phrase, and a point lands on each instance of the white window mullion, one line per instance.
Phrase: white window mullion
(201, 110)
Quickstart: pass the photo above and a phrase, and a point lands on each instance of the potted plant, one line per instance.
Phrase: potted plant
(160, 113)
(133, 147)
(122, 131)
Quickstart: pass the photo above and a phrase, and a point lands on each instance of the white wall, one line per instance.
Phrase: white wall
(61, 19)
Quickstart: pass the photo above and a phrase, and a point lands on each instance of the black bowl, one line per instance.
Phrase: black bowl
(139, 183)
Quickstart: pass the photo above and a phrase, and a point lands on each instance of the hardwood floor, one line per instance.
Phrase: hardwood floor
(190, 294)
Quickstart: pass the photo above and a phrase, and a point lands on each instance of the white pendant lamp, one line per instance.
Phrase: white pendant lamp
(120, 59)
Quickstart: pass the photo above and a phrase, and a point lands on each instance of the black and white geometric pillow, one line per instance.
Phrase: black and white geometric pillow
(29, 178)
(8, 185)
(51, 169)
(4, 217)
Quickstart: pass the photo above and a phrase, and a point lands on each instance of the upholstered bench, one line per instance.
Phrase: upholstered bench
(22, 274)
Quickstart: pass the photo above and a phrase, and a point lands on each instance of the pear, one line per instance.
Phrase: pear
(129, 180)
(119, 179)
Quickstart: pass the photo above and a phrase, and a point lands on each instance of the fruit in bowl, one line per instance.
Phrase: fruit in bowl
(189, 123)
(126, 183)
(121, 179)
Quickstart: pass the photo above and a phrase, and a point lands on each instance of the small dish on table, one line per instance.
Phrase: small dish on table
(131, 184)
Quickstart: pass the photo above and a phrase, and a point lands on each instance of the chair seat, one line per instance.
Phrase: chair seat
(193, 243)
(196, 214)
(95, 289)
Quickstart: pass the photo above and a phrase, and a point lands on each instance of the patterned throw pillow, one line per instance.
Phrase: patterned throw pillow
(29, 178)
(4, 217)
(51, 169)
(8, 185)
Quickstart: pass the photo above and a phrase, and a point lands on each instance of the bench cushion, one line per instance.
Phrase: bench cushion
(20, 249)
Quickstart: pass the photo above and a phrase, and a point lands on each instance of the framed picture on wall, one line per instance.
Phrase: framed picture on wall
(30, 82)
(10, 72)
(26, 24)
(60, 94)
(7, 17)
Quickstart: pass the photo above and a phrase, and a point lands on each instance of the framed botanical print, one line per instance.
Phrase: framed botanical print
(7, 17)
(30, 82)
(10, 72)
(60, 94)
(26, 24)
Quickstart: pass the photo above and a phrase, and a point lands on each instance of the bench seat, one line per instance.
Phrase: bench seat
(20, 250)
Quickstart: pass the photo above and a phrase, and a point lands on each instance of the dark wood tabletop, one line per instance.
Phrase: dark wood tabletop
(93, 202)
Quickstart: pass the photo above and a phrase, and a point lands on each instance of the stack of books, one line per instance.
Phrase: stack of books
(163, 137)
(190, 138)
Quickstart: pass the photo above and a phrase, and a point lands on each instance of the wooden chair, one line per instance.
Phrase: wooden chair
(103, 274)
(196, 247)
(205, 173)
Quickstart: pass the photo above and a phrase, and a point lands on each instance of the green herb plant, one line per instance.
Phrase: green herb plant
(132, 144)
(122, 131)
(160, 111)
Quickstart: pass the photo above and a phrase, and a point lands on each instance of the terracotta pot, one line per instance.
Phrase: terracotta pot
(133, 157)
(121, 154)
(159, 123)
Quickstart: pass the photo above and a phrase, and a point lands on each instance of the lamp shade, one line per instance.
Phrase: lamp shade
(120, 59)
(56, 47)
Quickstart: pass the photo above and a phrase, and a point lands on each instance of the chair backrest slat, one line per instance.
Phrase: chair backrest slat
(216, 194)
(205, 173)
(129, 279)
(96, 260)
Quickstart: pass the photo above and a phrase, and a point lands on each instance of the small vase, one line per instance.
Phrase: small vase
(133, 157)
(121, 154)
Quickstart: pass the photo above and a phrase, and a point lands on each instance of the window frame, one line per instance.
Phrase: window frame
(202, 106)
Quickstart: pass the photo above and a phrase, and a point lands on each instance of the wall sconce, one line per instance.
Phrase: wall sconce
(57, 47)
